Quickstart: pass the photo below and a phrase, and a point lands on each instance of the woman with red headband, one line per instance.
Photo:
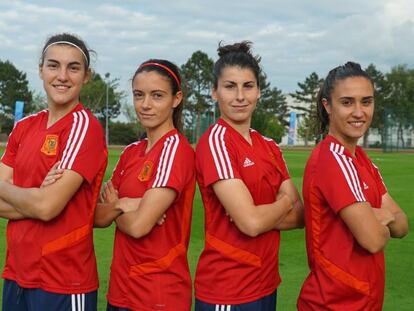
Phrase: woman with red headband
(154, 179)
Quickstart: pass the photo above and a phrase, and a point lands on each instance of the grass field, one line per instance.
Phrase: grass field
(398, 173)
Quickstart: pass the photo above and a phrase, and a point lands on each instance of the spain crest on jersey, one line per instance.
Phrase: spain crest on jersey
(146, 171)
(50, 145)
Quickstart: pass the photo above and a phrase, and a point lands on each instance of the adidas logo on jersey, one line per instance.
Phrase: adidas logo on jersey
(365, 186)
(248, 162)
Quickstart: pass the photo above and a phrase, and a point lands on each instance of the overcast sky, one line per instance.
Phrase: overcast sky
(293, 37)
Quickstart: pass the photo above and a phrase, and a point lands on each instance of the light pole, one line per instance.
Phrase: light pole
(106, 108)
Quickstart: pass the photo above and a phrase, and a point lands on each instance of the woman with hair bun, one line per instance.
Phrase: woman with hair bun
(349, 213)
(247, 193)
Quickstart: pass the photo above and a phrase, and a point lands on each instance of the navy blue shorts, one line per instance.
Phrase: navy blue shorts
(267, 303)
(16, 298)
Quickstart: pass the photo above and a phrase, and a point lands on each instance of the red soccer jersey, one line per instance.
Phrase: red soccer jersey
(152, 273)
(233, 267)
(57, 255)
(343, 276)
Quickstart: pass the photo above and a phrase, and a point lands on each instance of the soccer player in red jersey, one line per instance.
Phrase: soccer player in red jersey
(349, 214)
(154, 177)
(50, 260)
(247, 194)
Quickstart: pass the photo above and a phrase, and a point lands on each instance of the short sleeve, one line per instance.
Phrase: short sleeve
(216, 157)
(175, 166)
(85, 150)
(379, 181)
(10, 152)
(338, 180)
(280, 161)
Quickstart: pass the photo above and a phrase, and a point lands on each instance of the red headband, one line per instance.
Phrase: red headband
(167, 69)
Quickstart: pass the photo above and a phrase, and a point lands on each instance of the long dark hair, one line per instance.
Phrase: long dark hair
(350, 69)
(170, 71)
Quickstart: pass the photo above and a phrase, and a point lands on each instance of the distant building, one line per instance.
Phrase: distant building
(297, 141)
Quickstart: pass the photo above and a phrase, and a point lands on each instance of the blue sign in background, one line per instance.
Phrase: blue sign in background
(18, 112)
(292, 129)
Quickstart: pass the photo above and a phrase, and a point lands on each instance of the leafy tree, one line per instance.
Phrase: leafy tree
(39, 101)
(268, 125)
(93, 96)
(131, 116)
(13, 86)
(308, 126)
(381, 100)
(197, 75)
(273, 101)
(121, 133)
(270, 117)
(401, 98)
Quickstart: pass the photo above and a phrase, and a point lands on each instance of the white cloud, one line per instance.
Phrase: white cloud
(202, 34)
(293, 37)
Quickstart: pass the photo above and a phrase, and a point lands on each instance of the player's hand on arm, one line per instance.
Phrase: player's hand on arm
(162, 220)
(53, 175)
(249, 218)
(127, 205)
(365, 227)
(383, 215)
(399, 225)
(152, 208)
(42, 203)
(108, 209)
(295, 218)
(6, 210)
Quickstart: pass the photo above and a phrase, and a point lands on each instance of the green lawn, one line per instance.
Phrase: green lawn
(398, 173)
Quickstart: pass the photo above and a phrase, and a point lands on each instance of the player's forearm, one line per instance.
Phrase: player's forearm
(294, 219)
(265, 217)
(377, 241)
(105, 214)
(131, 224)
(128, 224)
(9, 212)
(26, 201)
(399, 227)
(276, 214)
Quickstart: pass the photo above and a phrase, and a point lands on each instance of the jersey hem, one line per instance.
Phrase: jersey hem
(58, 290)
(236, 301)
(124, 305)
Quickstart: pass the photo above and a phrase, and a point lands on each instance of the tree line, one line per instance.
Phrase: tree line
(394, 102)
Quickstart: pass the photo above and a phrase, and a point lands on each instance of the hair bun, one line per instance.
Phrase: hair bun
(239, 47)
(352, 65)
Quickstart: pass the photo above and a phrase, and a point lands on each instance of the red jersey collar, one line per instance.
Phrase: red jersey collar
(228, 126)
(172, 132)
(78, 107)
(358, 149)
